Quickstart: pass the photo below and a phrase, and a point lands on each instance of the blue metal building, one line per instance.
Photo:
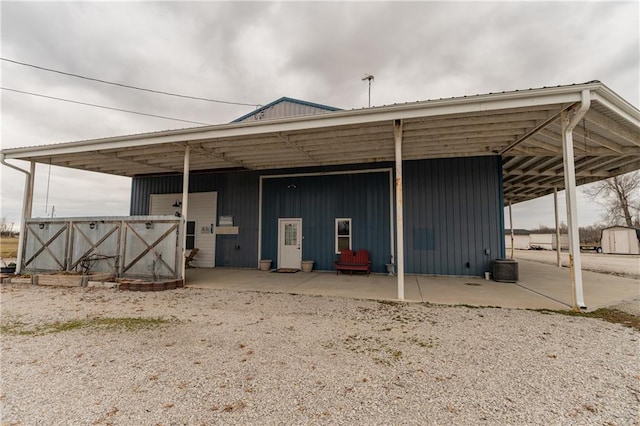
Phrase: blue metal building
(424, 182)
(454, 212)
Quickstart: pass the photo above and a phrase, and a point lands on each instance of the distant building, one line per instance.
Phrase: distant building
(548, 241)
(284, 108)
(526, 240)
(621, 240)
(520, 239)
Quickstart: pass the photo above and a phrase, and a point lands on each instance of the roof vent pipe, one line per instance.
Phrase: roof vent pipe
(370, 78)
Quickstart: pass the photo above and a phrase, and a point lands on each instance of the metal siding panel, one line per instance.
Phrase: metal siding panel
(456, 253)
(472, 255)
(501, 212)
(440, 227)
(460, 200)
(241, 202)
(456, 202)
(318, 200)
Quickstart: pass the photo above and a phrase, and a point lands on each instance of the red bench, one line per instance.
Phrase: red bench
(350, 261)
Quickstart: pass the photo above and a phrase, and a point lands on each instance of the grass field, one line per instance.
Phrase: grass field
(8, 247)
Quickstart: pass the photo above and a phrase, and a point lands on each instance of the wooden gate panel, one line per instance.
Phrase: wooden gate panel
(95, 246)
(151, 249)
(45, 246)
(133, 246)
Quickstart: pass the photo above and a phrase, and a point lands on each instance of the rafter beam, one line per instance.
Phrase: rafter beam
(612, 126)
(533, 131)
(211, 153)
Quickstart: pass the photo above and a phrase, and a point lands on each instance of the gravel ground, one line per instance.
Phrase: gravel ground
(257, 358)
(626, 265)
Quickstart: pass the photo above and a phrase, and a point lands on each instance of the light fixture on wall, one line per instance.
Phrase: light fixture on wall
(93, 225)
(41, 225)
(148, 225)
(178, 203)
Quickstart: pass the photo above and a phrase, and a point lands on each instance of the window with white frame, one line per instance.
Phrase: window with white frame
(343, 234)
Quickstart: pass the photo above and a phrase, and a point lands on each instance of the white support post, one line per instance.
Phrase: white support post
(555, 208)
(27, 204)
(29, 194)
(259, 223)
(397, 133)
(184, 211)
(511, 226)
(392, 236)
(575, 263)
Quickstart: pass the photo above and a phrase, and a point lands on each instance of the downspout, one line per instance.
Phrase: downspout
(26, 206)
(185, 211)
(397, 133)
(511, 226)
(575, 263)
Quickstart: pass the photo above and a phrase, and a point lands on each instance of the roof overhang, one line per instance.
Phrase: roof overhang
(521, 126)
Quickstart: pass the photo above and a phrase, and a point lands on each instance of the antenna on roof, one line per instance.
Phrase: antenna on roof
(370, 78)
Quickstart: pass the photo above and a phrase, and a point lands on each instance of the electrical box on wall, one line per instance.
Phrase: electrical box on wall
(225, 221)
(227, 230)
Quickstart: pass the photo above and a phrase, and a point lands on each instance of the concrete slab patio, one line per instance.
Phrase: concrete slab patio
(540, 287)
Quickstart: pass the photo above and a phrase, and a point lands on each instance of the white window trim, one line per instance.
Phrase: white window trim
(338, 219)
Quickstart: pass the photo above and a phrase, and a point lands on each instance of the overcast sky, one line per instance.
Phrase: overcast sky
(255, 53)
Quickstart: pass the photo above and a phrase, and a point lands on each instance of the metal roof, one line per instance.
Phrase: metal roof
(285, 99)
(521, 126)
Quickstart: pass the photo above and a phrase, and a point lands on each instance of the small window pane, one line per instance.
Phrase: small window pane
(191, 227)
(343, 234)
(343, 227)
(190, 242)
(290, 234)
(343, 243)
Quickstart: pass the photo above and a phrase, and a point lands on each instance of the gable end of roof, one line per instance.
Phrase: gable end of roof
(286, 99)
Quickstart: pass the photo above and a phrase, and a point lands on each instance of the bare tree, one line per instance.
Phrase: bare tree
(620, 196)
(591, 234)
(6, 228)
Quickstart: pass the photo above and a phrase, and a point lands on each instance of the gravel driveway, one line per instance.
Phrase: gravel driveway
(626, 265)
(254, 358)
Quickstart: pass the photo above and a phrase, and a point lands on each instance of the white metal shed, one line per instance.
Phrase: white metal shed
(621, 240)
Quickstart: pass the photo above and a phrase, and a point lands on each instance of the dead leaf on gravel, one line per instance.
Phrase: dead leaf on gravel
(238, 405)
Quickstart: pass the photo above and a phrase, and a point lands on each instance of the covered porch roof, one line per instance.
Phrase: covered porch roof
(522, 126)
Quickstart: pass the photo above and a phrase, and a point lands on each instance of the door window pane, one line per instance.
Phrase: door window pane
(290, 234)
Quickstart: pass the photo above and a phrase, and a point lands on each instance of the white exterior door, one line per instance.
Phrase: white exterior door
(289, 243)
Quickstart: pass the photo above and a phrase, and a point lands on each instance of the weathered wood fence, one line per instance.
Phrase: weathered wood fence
(130, 246)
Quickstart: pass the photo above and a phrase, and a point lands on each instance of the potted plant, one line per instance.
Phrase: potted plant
(307, 265)
(390, 266)
(265, 264)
